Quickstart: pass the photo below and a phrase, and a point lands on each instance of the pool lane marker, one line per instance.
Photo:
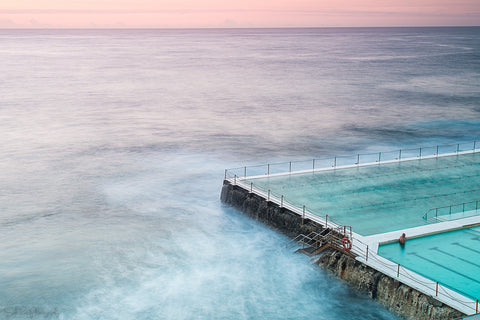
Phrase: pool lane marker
(463, 246)
(444, 267)
(457, 257)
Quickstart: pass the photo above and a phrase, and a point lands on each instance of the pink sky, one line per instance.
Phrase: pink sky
(245, 13)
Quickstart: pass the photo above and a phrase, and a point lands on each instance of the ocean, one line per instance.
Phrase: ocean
(114, 145)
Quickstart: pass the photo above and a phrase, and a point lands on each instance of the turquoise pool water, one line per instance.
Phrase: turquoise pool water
(381, 198)
(451, 258)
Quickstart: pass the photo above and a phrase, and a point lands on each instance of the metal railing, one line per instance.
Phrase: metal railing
(324, 218)
(312, 239)
(298, 208)
(317, 241)
(430, 287)
(451, 210)
(351, 160)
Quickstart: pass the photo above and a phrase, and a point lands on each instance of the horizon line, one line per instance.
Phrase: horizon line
(238, 27)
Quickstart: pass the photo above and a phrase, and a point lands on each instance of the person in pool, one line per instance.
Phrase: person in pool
(401, 240)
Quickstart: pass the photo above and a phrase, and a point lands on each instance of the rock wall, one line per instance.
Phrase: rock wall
(395, 296)
(266, 212)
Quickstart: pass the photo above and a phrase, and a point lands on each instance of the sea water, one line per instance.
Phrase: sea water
(114, 144)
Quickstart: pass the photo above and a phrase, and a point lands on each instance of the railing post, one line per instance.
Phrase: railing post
(290, 167)
(474, 141)
(476, 308)
(358, 158)
(366, 255)
(436, 213)
(326, 221)
(400, 155)
(245, 172)
(225, 174)
(398, 270)
(458, 147)
(420, 154)
(281, 202)
(313, 165)
(437, 151)
(436, 290)
(335, 162)
(268, 199)
(268, 169)
(251, 187)
(476, 205)
(379, 156)
(303, 214)
(463, 210)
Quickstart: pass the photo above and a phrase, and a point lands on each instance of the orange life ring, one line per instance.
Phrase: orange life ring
(347, 244)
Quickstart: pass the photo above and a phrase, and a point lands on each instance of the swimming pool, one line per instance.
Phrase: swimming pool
(381, 198)
(451, 258)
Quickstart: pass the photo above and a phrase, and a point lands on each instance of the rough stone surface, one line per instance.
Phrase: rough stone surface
(266, 212)
(396, 296)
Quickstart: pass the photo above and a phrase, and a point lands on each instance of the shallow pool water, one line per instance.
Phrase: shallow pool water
(451, 258)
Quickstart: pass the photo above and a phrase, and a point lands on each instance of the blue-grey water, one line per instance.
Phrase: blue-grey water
(113, 146)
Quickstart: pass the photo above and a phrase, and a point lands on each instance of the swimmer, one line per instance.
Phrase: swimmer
(401, 240)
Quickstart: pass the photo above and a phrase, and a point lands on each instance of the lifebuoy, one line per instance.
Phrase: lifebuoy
(347, 244)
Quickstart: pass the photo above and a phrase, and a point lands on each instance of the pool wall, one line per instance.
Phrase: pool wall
(397, 297)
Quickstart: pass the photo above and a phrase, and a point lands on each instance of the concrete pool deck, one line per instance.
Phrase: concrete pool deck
(420, 231)
(412, 279)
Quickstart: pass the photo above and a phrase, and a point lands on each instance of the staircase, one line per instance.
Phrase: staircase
(315, 243)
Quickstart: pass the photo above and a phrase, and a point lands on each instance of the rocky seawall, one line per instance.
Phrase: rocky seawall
(397, 297)
(266, 212)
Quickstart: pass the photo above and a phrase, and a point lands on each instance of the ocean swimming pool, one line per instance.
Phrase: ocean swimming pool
(451, 258)
(380, 198)
(427, 195)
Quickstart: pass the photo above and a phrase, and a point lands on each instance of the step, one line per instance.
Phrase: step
(309, 251)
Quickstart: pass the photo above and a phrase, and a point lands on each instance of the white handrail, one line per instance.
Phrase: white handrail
(372, 159)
